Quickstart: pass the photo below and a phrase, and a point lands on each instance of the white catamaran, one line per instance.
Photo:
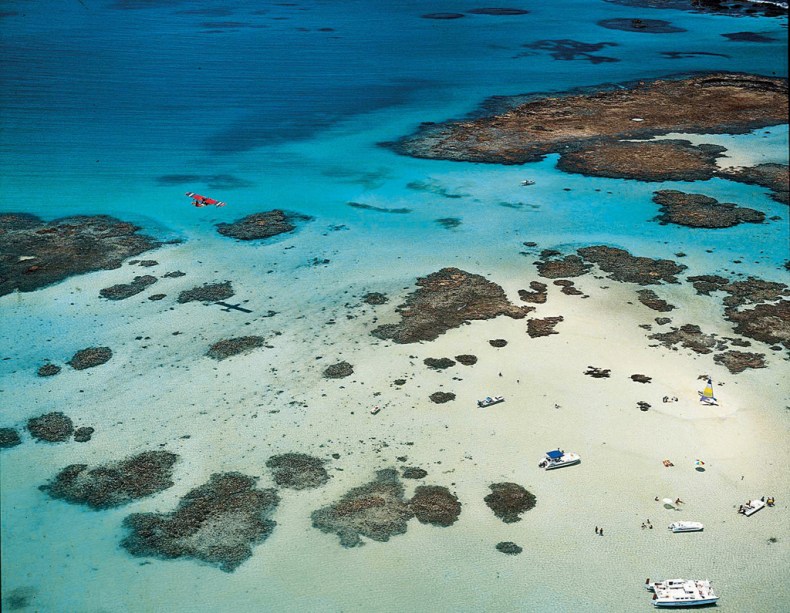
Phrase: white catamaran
(681, 593)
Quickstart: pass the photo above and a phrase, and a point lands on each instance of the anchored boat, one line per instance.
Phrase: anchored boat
(558, 459)
(686, 526)
(681, 592)
(751, 507)
(489, 400)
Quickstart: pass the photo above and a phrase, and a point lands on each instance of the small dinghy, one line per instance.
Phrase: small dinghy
(375, 410)
(686, 526)
(527, 182)
(751, 507)
(489, 400)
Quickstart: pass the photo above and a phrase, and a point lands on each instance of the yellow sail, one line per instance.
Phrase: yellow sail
(706, 395)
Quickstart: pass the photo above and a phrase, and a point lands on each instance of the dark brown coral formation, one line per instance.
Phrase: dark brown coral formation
(698, 211)
(467, 359)
(525, 128)
(622, 266)
(538, 295)
(651, 300)
(233, 346)
(297, 471)
(769, 323)
(498, 342)
(568, 287)
(543, 327)
(48, 370)
(208, 292)
(83, 434)
(37, 253)
(338, 371)
(509, 547)
(90, 357)
(218, 523)
(639, 378)
(413, 472)
(773, 176)
(376, 510)
(568, 266)
(54, 427)
(598, 373)
(9, 437)
(375, 298)
(689, 336)
(509, 500)
(659, 160)
(738, 361)
(116, 483)
(442, 397)
(262, 225)
(438, 363)
(435, 505)
(122, 291)
(445, 300)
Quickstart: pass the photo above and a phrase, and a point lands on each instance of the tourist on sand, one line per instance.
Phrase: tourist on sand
(679, 501)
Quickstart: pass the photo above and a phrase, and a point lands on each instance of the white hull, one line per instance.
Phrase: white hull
(673, 603)
(751, 507)
(686, 526)
(682, 593)
(554, 465)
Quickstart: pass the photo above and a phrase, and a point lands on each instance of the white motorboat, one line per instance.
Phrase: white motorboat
(375, 410)
(751, 507)
(681, 592)
(489, 400)
(686, 526)
(527, 182)
(558, 459)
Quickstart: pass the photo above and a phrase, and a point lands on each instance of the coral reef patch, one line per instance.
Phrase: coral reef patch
(234, 346)
(217, 523)
(37, 253)
(699, 211)
(445, 300)
(259, 226)
(90, 357)
(115, 483)
(297, 471)
(55, 427)
(509, 501)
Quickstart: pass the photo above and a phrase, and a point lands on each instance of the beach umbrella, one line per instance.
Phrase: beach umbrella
(669, 501)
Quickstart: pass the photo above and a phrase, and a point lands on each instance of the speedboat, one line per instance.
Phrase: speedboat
(681, 592)
(686, 526)
(751, 507)
(489, 400)
(558, 459)
(375, 410)
(527, 182)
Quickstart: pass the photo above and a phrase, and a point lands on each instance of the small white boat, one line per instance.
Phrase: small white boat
(489, 400)
(558, 459)
(527, 182)
(375, 410)
(686, 526)
(751, 507)
(681, 592)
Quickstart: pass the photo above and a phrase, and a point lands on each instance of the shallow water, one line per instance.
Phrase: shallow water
(120, 107)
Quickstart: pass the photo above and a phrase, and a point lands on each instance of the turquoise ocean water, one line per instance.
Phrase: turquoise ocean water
(119, 107)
